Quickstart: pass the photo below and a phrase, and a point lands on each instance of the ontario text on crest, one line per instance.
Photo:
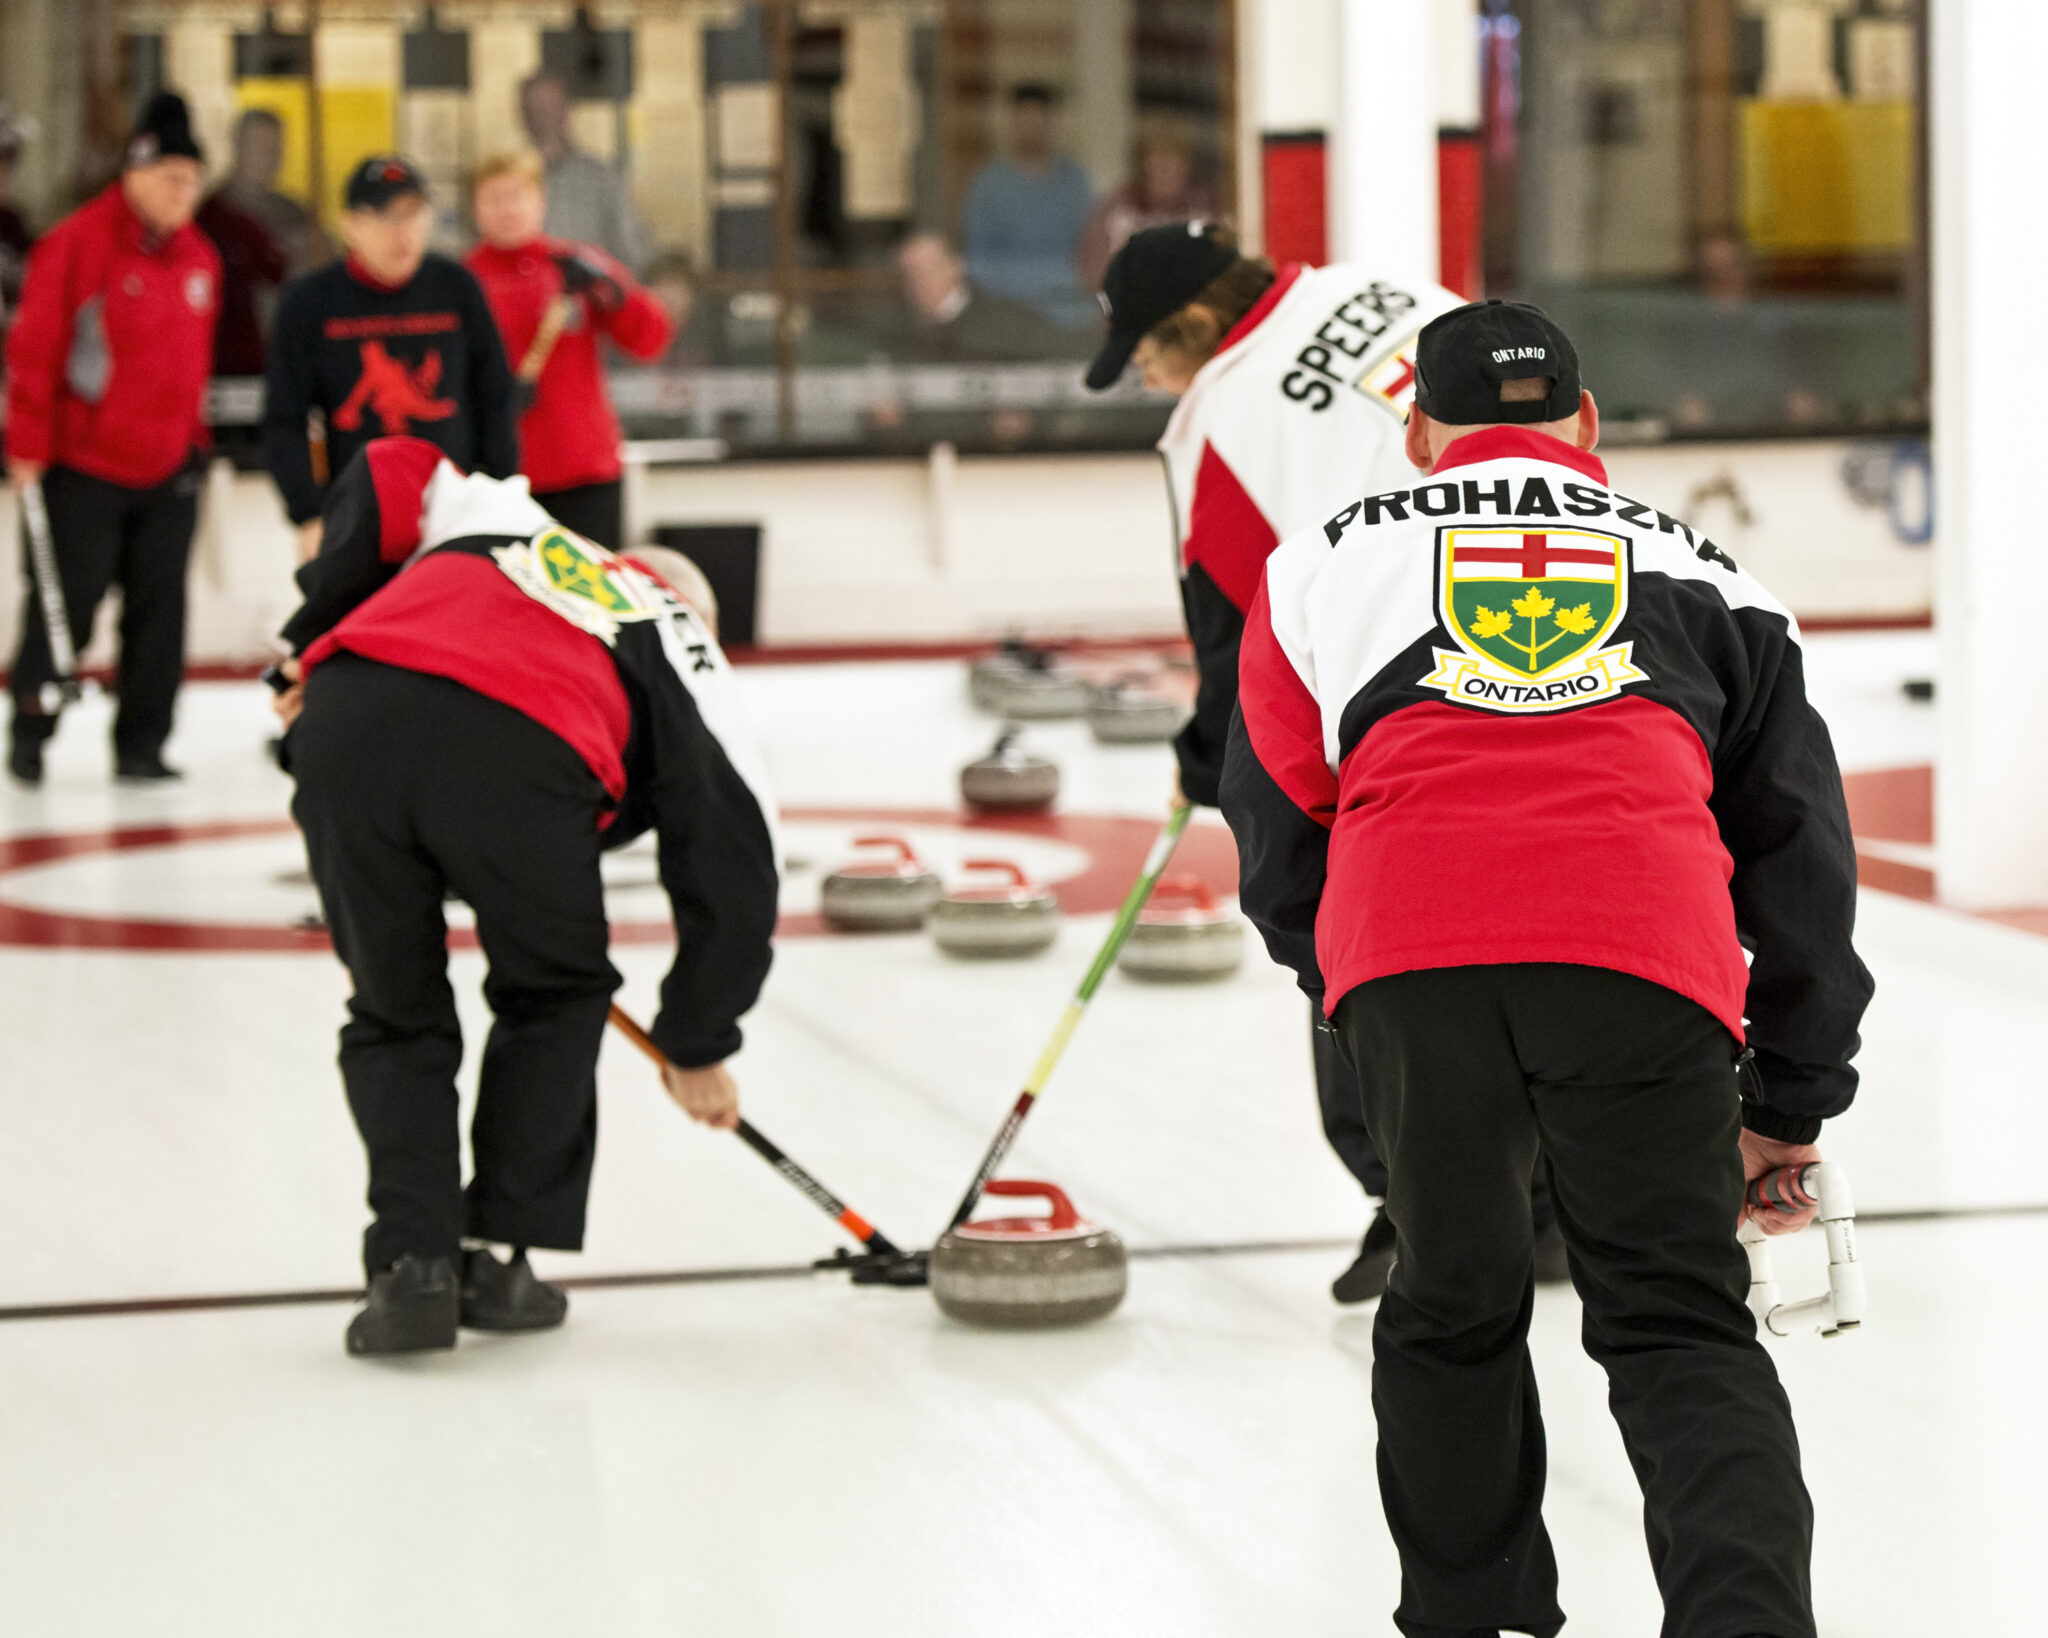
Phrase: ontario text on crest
(1529, 610)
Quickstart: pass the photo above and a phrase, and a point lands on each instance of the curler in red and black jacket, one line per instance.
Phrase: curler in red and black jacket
(465, 577)
(1508, 714)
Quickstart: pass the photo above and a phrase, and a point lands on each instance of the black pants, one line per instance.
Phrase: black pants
(596, 511)
(1342, 1102)
(1343, 1110)
(1628, 1090)
(106, 535)
(411, 786)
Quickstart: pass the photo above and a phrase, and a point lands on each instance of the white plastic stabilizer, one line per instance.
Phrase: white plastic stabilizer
(1842, 1308)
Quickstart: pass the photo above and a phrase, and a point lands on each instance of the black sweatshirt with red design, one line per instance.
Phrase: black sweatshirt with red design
(1508, 714)
(423, 360)
(466, 577)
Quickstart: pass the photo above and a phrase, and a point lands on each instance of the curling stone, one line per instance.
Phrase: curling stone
(987, 674)
(887, 895)
(1183, 936)
(996, 921)
(1020, 1272)
(1026, 683)
(1009, 779)
(1127, 714)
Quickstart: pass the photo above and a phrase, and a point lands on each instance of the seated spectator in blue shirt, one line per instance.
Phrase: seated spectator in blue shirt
(1025, 213)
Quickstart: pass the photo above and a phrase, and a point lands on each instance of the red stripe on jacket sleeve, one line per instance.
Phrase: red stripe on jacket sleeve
(1282, 719)
(1227, 533)
(400, 469)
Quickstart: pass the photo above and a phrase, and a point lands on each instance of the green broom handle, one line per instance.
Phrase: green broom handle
(1041, 1072)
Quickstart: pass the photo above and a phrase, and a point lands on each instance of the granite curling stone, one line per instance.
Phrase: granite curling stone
(1019, 1273)
(1129, 714)
(1183, 936)
(1009, 779)
(1027, 683)
(987, 673)
(893, 894)
(996, 921)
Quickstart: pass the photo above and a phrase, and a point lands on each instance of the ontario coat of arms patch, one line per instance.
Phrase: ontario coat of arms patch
(583, 583)
(1529, 610)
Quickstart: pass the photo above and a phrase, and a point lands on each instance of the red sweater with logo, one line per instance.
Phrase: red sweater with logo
(109, 354)
(570, 435)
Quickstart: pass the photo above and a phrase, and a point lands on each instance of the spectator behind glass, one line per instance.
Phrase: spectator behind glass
(1024, 214)
(953, 323)
(251, 186)
(1162, 190)
(588, 201)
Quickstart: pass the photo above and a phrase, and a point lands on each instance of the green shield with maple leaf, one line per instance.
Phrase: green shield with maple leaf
(1532, 600)
(577, 569)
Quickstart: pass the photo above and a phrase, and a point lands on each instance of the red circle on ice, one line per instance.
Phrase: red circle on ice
(1114, 846)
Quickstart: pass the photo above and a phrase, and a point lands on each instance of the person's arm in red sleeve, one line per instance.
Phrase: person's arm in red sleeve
(624, 308)
(1279, 795)
(1229, 540)
(641, 325)
(37, 343)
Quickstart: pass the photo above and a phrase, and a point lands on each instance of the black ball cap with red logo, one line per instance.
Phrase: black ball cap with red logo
(1154, 275)
(163, 132)
(380, 179)
(1463, 356)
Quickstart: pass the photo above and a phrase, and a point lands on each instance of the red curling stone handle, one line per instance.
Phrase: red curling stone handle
(1064, 1216)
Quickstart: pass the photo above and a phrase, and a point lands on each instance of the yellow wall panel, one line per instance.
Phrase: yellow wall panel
(1824, 178)
(356, 121)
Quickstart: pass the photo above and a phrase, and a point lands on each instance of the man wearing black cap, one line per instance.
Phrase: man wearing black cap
(1292, 386)
(107, 364)
(1522, 768)
(393, 341)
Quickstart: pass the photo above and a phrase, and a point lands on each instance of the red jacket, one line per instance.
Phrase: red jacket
(108, 357)
(570, 436)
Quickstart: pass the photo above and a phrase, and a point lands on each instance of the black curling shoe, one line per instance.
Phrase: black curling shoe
(1366, 1279)
(144, 770)
(508, 1296)
(25, 762)
(412, 1307)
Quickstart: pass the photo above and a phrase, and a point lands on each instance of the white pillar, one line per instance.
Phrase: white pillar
(1383, 156)
(1460, 88)
(1989, 151)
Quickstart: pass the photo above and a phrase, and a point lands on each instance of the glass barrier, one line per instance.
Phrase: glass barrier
(877, 223)
(1721, 200)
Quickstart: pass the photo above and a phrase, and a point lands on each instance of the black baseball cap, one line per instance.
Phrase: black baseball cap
(1464, 355)
(380, 179)
(1154, 275)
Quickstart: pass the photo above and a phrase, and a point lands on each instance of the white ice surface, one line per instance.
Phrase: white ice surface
(796, 1456)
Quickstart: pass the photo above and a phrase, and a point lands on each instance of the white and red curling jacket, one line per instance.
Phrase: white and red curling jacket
(1504, 713)
(1299, 411)
(462, 576)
